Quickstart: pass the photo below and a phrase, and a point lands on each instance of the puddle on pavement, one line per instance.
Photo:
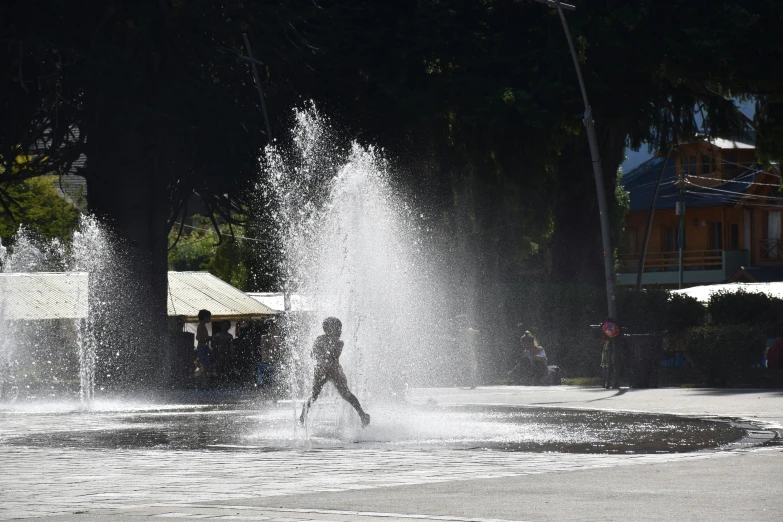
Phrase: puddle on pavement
(247, 426)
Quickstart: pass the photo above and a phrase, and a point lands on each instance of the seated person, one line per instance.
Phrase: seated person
(533, 367)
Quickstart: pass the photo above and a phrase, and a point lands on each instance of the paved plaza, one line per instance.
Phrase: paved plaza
(741, 482)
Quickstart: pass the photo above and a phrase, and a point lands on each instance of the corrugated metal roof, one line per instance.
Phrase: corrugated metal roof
(640, 183)
(730, 144)
(43, 295)
(190, 292)
(64, 295)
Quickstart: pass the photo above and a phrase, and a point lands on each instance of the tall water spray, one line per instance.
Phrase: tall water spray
(353, 248)
(44, 344)
(91, 253)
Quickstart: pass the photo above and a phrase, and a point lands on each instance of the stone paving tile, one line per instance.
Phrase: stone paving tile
(39, 481)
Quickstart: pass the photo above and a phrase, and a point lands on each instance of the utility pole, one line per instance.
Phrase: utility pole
(648, 229)
(603, 208)
(681, 231)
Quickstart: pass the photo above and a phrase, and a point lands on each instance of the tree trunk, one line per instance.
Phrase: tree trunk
(129, 195)
(577, 248)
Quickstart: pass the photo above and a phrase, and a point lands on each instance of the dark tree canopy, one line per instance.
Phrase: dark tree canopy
(475, 102)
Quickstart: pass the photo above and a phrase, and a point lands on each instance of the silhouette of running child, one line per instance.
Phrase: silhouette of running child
(326, 352)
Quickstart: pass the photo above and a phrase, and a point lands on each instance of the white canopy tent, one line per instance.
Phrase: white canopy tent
(276, 301)
(37, 296)
(190, 292)
(703, 293)
(64, 295)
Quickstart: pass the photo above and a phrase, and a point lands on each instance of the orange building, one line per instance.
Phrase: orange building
(732, 217)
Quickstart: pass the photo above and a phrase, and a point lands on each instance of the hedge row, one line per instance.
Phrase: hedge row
(724, 339)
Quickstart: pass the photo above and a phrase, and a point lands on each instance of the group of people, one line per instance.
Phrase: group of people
(216, 354)
(533, 367)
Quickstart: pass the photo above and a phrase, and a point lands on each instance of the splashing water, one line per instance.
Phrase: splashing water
(49, 352)
(352, 247)
(90, 252)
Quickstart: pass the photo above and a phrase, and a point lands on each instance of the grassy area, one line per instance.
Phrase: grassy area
(582, 381)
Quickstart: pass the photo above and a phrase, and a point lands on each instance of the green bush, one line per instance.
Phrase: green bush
(683, 312)
(743, 307)
(724, 353)
(643, 312)
(658, 310)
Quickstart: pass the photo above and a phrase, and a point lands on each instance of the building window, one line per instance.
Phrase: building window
(734, 236)
(716, 236)
(671, 239)
(689, 165)
(707, 164)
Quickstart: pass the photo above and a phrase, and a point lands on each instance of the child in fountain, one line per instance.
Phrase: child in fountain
(326, 352)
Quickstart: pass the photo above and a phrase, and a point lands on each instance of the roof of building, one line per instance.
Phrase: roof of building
(276, 301)
(723, 143)
(757, 274)
(640, 183)
(703, 293)
(63, 295)
(43, 295)
(190, 292)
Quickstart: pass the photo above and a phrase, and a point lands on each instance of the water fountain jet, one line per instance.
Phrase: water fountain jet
(354, 248)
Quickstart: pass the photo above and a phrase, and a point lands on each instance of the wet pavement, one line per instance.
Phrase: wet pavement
(265, 427)
(451, 455)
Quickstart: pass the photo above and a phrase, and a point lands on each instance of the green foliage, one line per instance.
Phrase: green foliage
(654, 311)
(683, 312)
(643, 312)
(724, 353)
(619, 210)
(747, 308)
(39, 207)
(476, 101)
(230, 258)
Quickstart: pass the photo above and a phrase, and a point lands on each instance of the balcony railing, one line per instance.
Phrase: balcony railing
(670, 261)
(771, 249)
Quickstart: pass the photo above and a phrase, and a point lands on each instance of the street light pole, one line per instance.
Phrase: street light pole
(603, 208)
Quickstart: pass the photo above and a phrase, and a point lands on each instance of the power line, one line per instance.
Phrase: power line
(643, 185)
(735, 180)
(732, 200)
(743, 194)
(210, 230)
(724, 160)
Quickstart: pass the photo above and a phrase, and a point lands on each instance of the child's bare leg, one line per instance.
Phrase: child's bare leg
(341, 383)
(318, 383)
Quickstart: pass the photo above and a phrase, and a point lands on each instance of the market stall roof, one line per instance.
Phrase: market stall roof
(35, 296)
(703, 293)
(190, 292)
(276, 301)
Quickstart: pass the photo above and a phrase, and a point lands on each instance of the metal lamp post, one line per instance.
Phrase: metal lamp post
(603, 209)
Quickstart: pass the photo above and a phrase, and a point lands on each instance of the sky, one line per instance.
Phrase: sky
(635, 158)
